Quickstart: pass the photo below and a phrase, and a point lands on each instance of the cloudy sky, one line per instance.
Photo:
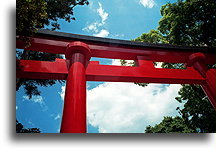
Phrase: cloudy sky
(111, 107)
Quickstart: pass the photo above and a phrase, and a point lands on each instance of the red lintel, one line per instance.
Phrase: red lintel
(109, 73)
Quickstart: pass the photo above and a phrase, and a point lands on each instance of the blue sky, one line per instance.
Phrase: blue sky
(111, 107)
(121, 20)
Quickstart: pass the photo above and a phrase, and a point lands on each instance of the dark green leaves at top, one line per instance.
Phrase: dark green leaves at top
(190, 22)
(153, 36)
(34, 14)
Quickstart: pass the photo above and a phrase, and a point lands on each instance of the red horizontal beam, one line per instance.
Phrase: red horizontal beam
(109, 73)
(115, 52)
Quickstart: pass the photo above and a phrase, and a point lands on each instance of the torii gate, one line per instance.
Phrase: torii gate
(77, 69)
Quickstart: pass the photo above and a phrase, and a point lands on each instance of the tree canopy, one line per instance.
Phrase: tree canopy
(170, 125)
(32, 15)
(154, 36)
(198, 112)
(189, 22)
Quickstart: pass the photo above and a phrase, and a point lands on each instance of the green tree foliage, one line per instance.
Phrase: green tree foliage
(32, 15)
(198, 111)
(197, 115)
(29, 15)
(190, 22)
(21, 129)
(170, 125)
(153, 36)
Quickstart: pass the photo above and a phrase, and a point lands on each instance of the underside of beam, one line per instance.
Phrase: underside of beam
(102, 50)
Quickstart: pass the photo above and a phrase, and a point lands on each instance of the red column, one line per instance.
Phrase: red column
(74, 112)
(197, 61)
(209, 86)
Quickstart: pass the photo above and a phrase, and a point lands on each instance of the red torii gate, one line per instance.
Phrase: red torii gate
(77, 69)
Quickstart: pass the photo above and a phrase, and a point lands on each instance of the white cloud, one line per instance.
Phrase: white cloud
(57, 117)
(92, 27)
(97, 28)
(117, 36)
(62, 93)
(130, 63)
(37, 99)
(127, 108)
(118, 63)
(159, 65)
(102, 13)
(148, 3)
(102, 33)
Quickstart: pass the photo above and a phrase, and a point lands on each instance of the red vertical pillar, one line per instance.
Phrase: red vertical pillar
(197, 61)
(209, 86)
(74, 112)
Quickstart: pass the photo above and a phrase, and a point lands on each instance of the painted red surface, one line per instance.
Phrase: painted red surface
(115, 52)
(77, 69)
(74, 113)
(197, 61)
(209, 86)
(110, 73)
